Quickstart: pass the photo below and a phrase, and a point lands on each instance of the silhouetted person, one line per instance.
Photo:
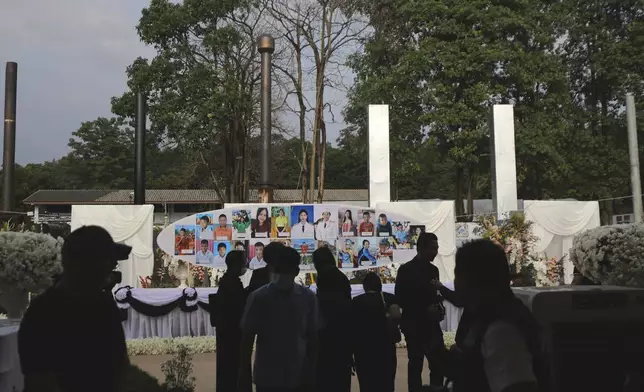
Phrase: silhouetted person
(231, 300)
(261, 277)
(375, 317)
(284, 317)
(422, 314)
(499, 349)
(71, 338)
(334, 299)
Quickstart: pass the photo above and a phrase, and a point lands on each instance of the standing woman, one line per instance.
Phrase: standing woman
(261, 225)
(347, 222)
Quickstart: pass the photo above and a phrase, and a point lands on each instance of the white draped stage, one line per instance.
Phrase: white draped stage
(128, 224)
(438, 218)
(178, 323)
(556, 222)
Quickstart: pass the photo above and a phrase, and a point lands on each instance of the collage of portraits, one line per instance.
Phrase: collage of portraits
(359, 237)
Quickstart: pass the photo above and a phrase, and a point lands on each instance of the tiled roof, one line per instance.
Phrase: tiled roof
(179, 196)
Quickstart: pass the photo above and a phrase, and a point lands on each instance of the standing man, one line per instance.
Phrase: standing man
(421, 317)
(325, 228)
(77, 317)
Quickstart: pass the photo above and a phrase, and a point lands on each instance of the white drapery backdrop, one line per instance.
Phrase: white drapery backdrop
(556, 222)
(438, 218)
(128, 224)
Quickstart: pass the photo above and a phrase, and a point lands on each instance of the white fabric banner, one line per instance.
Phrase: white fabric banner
(178, 323)
(128, 224)
(438, 218)
(556, 222)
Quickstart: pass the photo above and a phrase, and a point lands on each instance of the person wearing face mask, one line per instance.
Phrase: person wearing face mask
(284, 317)
(230, 303)
(79, 319)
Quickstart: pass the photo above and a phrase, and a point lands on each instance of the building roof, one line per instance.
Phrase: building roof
(178, 196)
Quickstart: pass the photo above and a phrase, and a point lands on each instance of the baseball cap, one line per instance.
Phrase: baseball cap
(87, 241)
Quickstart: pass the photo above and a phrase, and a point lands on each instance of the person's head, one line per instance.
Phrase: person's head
(303, 215)
(89, 256)
(365, 244)
(347, 215)
(382, 219)
(419, 231)
(323, 258)
(239, 246)
(272, 253)
(236, 263)
(427, 246)
(221, 249)
(366, 216)
(259, 250)
(182, 233)
(326, 215)
(383, 245)
(204, 246)
(372, 283)
(204, 221)
(481, 269)
(262, 215)
(400, 227)
(348, 244)
(286, 268)
(281, 212)
(223, 220)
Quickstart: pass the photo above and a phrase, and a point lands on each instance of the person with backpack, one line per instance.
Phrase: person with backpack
(498, 349)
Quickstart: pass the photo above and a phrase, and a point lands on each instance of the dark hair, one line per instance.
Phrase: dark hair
(184, 230)
(424, 239)
(259, 278)
(372, 282)
(344, 217)
(239, 243)
(323, 257)
(382, 216)
(260, 244)
(289, 262)
(235, 259)
(272, 252)
(205, 218)
(366, 213)
(483, 264)
(367, 241)
(221, 245)
(223, 216)
(259, 211)
(204, 242)
(304, 211)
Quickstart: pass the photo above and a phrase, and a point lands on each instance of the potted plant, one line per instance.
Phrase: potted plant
(28, 264)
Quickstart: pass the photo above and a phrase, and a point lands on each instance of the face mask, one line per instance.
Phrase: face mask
(282, 282)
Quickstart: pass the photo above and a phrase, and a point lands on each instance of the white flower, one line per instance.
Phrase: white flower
(121, 294)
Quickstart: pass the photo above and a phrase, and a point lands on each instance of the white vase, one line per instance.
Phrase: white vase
(182, 275)
(14, 302)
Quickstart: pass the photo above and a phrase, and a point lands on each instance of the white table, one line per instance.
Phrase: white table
(11, 379)
(178, 323)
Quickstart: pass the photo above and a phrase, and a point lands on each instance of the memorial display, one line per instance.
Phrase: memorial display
(361, 238)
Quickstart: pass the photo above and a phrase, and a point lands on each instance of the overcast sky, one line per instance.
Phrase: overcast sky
(71, 57)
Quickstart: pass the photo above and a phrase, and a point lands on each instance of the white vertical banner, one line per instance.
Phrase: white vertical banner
(504, 170)
(379, 171)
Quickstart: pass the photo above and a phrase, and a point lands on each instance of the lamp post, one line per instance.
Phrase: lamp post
(266, 47)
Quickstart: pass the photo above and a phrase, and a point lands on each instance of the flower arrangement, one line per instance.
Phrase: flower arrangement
(178, 371)
(549, 271)
(29, 261)
(611, 255)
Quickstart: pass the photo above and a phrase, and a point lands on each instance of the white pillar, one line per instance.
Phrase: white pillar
(379, 171)
(504, 170)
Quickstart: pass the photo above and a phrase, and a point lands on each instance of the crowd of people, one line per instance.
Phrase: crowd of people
(303, 341)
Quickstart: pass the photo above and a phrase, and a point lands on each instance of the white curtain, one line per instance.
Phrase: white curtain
(128, 224)
(556, 222)
(438, 218)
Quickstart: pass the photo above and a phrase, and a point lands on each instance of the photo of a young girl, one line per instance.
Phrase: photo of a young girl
(280, 227)
(347, 222)
(261, 223)
(367, 253)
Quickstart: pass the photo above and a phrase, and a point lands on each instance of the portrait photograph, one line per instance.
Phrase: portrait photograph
(305, 247)
(280, 221)
(184, 240)
(205, 254)
(401, 234)
(260, 223)
(326, 223)
(366, 249)
(347, 222)
(220, 250)
(205, 227)
(347, 252)
(256, 253)
(302, 221)
(241, 224)
(384, 226)
(385, 254)
(414, 233)
(366, 223)
(223, 228)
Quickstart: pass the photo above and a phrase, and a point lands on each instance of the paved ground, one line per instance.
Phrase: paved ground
(204, 370)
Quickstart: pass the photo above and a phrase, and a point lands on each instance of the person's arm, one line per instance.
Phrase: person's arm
(507, 360)
(450, 295)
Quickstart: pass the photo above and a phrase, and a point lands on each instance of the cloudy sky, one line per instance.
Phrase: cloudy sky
(71, 57)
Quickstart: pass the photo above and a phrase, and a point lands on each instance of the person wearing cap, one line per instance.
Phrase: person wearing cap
(230, 302)
(325, 228)
(71, 338)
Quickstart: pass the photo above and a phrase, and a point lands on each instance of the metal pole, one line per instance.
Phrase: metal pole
(266, 47)
(9, 153)
(633, 152)
(139, 150)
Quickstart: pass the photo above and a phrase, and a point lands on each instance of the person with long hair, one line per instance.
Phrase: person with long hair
(303, 228)
(347, 223)
(261, 225)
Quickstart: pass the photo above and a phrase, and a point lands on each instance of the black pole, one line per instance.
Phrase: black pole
(266, 47)
(9, 153)
(139, 150)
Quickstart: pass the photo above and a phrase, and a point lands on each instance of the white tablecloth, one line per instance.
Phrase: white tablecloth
(11, 379)
(197, 323)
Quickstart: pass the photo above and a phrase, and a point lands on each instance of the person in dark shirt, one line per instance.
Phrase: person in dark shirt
(231, 300)
(71, 338)
(375, 315)
(334, 301)
(259, 278)
(421, 317)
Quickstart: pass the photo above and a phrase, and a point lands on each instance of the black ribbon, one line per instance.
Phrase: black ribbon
(160, 310)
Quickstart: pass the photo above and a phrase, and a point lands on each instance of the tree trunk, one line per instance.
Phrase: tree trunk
(459, 210)
(470, 195)
(322, 161)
